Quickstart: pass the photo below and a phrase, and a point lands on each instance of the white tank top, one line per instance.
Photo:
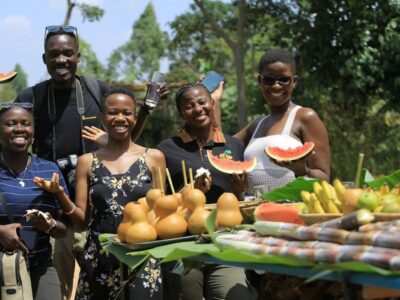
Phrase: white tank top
(266, 172)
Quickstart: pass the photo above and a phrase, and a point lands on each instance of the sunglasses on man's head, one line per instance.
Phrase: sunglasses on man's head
(270, 80)
(8, 105)
(68, 29)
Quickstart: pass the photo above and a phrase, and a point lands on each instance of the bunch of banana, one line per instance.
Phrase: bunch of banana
(324, 198)
(385, 190)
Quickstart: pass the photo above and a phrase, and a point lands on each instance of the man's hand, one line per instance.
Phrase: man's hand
(94, 134)
(51, 186)
(9, 238)
(42, 222)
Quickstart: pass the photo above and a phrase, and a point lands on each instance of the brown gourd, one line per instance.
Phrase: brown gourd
(170, 224)
(140, 230)
(142, 201)
(128, 218)
(228, 211)
(195, 201)
(151, 197)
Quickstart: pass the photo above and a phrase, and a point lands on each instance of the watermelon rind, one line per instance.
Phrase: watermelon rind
(290, 154)
(4, 78)
(236, 166)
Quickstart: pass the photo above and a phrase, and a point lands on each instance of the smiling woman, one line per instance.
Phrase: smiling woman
(17, 170)
(106, 180)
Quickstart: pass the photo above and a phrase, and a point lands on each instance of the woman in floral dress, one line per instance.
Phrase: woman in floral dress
(106, 180)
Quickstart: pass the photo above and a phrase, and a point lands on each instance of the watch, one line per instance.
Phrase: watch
(53, 225)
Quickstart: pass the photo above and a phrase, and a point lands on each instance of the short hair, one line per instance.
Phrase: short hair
(118, 90)
(4, 110)
(184, 88)
(277, 55)
(61, 32)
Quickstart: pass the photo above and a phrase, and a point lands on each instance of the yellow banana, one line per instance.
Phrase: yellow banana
(339, 188)
(317, 207)
(305, 196)
(384, 189)
(317, 188)
(327, 198)
(335, 198)
(396, 190)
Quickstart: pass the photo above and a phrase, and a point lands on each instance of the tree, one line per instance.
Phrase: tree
(20, 82)
(90, 12)
(89, 64)
(141, 55)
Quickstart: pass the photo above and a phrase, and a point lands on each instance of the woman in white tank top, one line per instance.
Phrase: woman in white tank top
(287, 126)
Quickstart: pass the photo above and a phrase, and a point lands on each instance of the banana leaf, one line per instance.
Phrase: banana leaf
(391, 179)
(291, 191)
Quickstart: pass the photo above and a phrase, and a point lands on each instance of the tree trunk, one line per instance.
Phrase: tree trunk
(70, 7)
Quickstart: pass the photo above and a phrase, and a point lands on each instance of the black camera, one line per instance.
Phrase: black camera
(67, 167)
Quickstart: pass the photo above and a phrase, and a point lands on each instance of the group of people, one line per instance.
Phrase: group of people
(65, 117)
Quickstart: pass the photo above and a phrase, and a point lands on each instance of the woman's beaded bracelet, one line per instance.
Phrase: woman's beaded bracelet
(71, 211)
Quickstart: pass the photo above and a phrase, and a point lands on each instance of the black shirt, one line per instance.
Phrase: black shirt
(68, 138)
(185, 147)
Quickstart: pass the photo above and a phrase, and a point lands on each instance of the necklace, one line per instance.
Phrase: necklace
(21, 180)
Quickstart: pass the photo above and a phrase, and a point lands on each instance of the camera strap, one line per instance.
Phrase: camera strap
(80, 107)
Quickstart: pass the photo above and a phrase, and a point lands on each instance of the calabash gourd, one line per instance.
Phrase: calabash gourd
(151, 197)
(140, 230)
(142, 201)
(196, 201)
(228, 211)
(170, 223)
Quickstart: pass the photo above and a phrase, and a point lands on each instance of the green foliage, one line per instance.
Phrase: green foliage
(89, 64)
(140, 56)
(20, 82)
(91, 13)
(6, 93)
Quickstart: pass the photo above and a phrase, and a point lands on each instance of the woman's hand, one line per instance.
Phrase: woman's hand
(9, 238)
(52, 186)
(239, 184)
(203, 183)
(299, 167)
(94, 134)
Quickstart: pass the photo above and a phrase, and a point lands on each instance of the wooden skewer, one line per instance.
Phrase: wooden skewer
(170, 181)
(160, 179)
(153, 179)
(184, 173)
(191, 178)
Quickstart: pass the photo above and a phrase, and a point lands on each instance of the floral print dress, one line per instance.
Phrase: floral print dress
(100, 276)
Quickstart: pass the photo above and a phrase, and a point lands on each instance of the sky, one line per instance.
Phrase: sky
(22, 25)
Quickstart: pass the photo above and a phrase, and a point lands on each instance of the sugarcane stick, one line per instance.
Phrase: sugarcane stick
(350, 221)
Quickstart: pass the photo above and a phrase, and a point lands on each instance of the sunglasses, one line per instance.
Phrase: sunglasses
(68, 29)
(8, 105)
(269, 80)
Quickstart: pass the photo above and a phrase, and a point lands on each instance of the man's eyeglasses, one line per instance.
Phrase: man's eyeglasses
(270, 80)
(68, 29)
(8, 105)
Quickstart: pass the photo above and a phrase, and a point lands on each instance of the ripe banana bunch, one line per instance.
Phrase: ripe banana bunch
(325, 198)
(385, 190)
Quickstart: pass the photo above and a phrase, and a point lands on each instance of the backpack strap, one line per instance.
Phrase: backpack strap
(94, 88)
(39, 96)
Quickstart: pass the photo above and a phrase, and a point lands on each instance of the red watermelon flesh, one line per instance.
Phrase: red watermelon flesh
(290, 154)
(275, 212)
(7, 77)
(230, 166)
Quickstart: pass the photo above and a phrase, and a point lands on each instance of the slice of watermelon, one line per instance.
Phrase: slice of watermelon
(290, 154)
(7, 77)
(230, 166)
(274, 212)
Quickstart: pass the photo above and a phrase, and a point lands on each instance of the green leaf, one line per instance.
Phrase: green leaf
(292, 190)
(391, 179)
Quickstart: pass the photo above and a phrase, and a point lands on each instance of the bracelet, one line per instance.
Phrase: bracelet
(71, 211)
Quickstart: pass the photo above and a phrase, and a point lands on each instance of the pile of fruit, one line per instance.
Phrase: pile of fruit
(335, 199)
(159, 216)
